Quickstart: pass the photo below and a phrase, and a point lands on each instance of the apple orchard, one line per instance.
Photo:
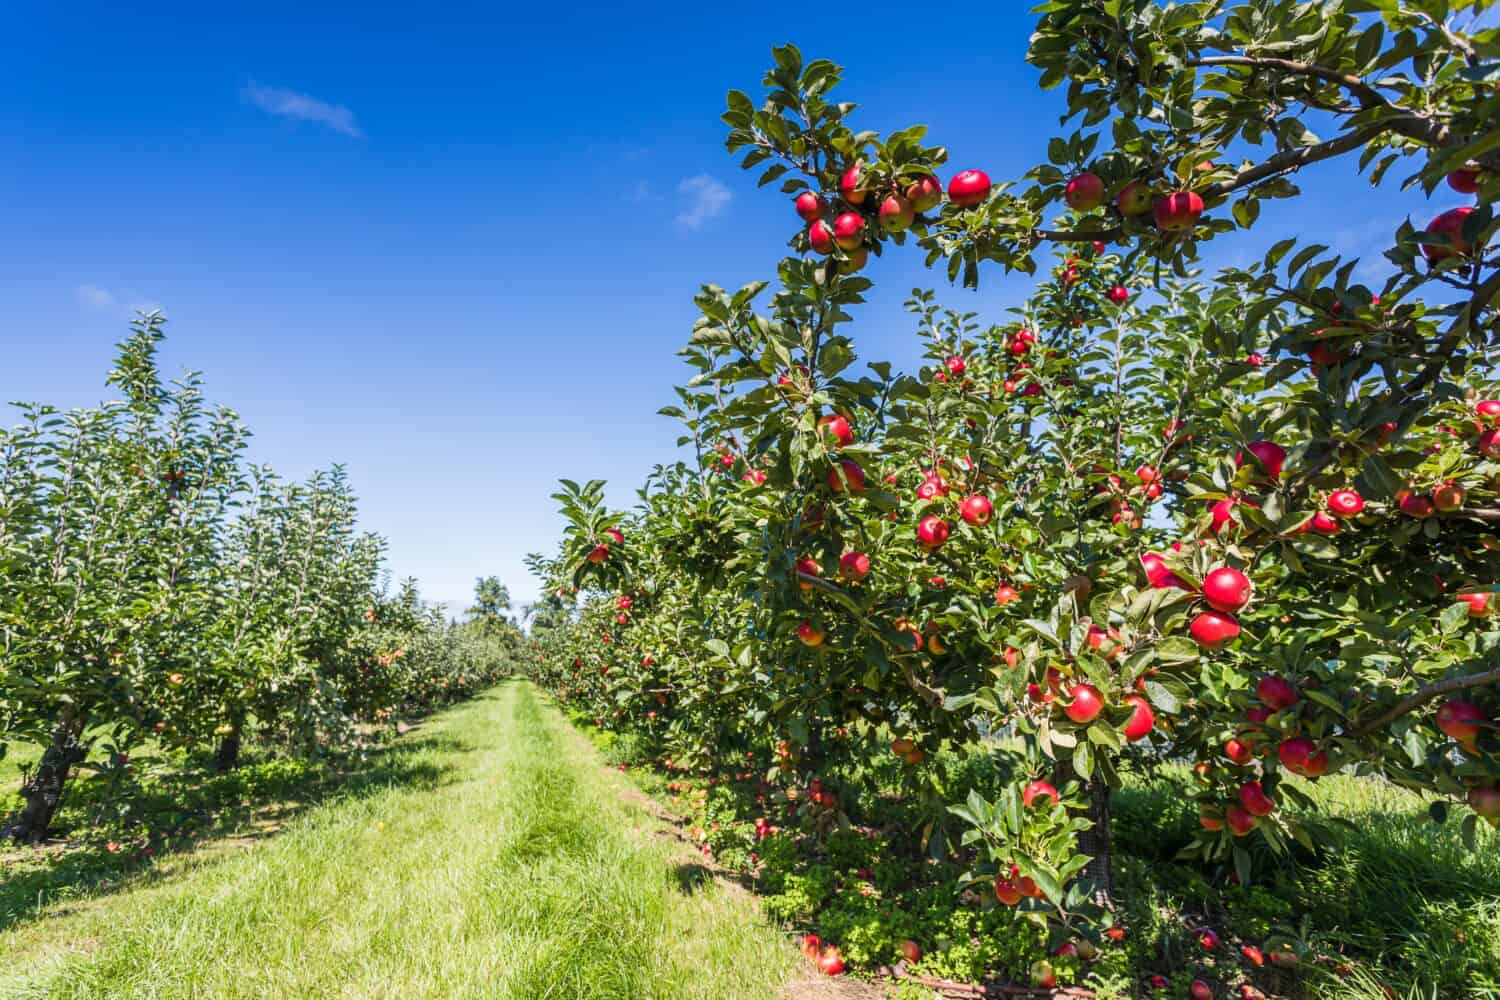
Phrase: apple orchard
(1243, 523)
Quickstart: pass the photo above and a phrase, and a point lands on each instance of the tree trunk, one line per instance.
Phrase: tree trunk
(1097, 843)
(227, 758)
(43, 791)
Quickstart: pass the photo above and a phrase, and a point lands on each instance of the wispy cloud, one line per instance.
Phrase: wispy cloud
(701, 198)
(95, 297)
(290, 104)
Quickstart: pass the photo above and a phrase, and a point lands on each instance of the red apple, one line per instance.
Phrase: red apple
(1255, 800)
(1320, 523)
(849, 230)
(1158, 575)
(807, 566)
(1042, 976)
(969, 188)
(1270, 455)
(811, 945)
(1208, 939)
(1134, 199)
(1118, 294)
(911, 951)
(1178, 210)
(1226, 589)
(1464, 180)
(1007, 891)
(1142, 718)
(1485, 800)
(932, 532)
(1478, 602)
(837, 427)
(976, 510)
(1038, 790)
(854, 565)
(1345, 503)
(1449, 224)
(1252, 955)
(1239, 821)
(1084, 192)
(925, 192)
(1209, 819)
(1199, 990)
(1276, 693)
(831, 962)
(849, 186)
(1488, 409)
(1158, 982)
(1461, 720)
(1489, 443)
(1213, 630)
(616, 535)
(854, 260)
(809, 634)
(896, 213)
(1005, 593)
(820, 235)
(853, 474)
(956, 366)
(1449, 496)
(1238, 751)
(1086, 703)
(1414, 504)
(811, 206)
(1301, 755)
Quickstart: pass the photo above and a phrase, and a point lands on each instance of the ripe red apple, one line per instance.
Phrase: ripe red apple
(896, 213)
(911, 951)
(810, 634)
(1007, 890)
(932, 532)
(853, 474)
(1158, 575)
(1209, 819)
(837, 427)
(956, 366)
(615, 534)
(976, 510)
(1461, 720)
(1118, 294)
(1320, 523)
(1255, 800)
(1158, 982)
(1084, 192)
(1208, 939)
(807, 566)
(1301, 755)
(811, 206)
(820, 235)
(1221, 513)
(1489, 443)
(1276, 693)
(1042, 976)
(1199, 990)
(854, 565)
(1214, 630)
(1238, 751)
(1226, 589)
(811, 945)
(1487, 409)
(969, 188)
(849, 186)
(1345, 503)
(1239, 821)
(1086, 703)
(1005, 593)
(1178, 210)
(1142, 718)
(1038, 790)
(849, 230)
(1134, 199)
(598, 554)
(831, 962)
(1449, 224)
(1449, 496)
(1464, 180)
(1414, 504)
(925, 192)
(1485, 800)
(1478, 602)
(1271, 456)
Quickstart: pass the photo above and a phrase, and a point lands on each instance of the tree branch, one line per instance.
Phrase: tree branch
(1366, 94)
(1423, 695)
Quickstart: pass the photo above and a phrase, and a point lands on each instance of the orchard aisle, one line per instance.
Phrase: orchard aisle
(514, 868)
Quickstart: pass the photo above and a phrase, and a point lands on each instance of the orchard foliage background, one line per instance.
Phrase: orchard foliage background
(161, 598)
(1149, 520)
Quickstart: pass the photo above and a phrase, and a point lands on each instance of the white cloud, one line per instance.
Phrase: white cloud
(290, 104)
(95, 297)
(702, 198)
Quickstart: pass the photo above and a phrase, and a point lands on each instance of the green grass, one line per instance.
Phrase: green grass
(497, 859)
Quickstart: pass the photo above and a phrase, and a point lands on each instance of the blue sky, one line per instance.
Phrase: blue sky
(457, 252)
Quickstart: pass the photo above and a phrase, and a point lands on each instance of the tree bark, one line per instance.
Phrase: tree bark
(1098, 844)
(227, 758)
(42, 793)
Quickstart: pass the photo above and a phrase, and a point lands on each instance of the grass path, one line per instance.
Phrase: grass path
(507, 864)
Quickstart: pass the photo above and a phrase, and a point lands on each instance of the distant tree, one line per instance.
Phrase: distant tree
(491, 601)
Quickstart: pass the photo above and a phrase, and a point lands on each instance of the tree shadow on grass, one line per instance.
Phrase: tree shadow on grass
(182, 811)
